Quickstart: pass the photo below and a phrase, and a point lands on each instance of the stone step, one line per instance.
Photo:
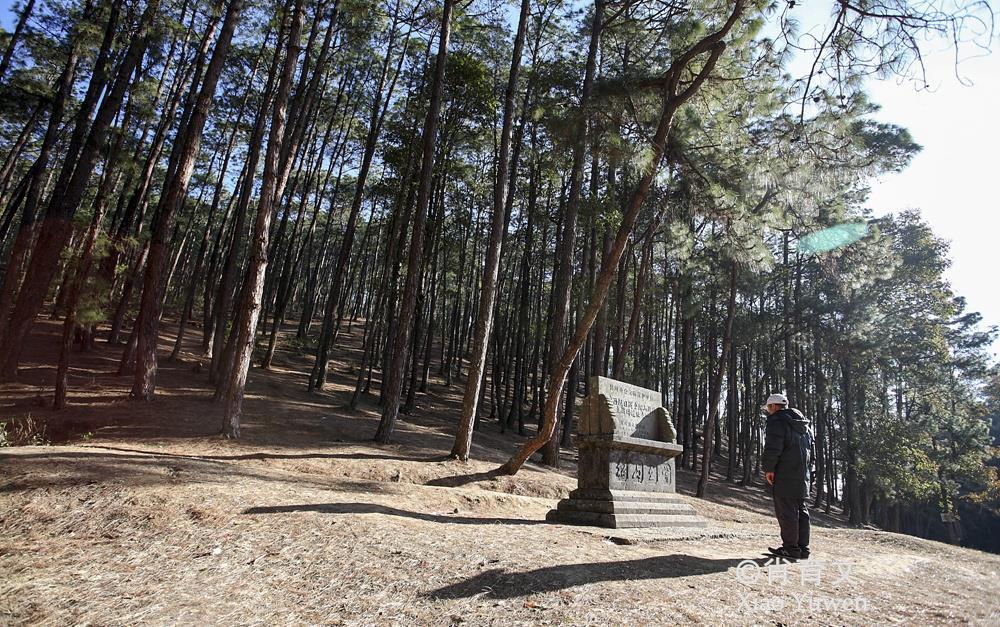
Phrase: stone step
(620, 496)
(626, 507)
(625, 521)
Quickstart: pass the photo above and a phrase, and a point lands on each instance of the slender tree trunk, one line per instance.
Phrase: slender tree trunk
(397, 366)
(562, 283)
(716, 395)
(34, 183)
(15, 37)
(633, 321)
(7, 170)
(144, 385)
(133, 215)
(77, 285)
(820, 417)
(484, 319)
(253, 284)
(318, 376)
(852, 485)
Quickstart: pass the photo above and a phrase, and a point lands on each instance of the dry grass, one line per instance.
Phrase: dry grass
(119, 537)
(156, 521)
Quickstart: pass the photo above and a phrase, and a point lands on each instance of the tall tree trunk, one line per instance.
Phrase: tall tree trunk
(317, 378)
(34, 185)
(253, 284)
(397, 366)
(15, 37)
(633, 321)
(484, 318)
(563, 283)
(77, 285)
(144, 385)
(852, 484)
(820, 418)
(134, 212)
(203, 246)
(7, 169)
(716, 396)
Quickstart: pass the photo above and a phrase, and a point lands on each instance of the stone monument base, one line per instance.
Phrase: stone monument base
(625, 509)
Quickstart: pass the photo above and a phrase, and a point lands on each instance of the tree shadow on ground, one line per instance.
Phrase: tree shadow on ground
(60, 469)
(372, 508)
(501, 584)
(262, 456)
(456, 481)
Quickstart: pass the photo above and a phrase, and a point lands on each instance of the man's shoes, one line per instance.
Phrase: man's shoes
(803, 553)
(786, 553)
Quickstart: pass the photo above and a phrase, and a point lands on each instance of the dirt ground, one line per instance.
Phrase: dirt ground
(145, 516)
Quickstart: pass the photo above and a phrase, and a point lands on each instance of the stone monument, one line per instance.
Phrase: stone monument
(625, 476)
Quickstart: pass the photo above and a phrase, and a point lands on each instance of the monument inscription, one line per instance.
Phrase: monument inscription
(616, 408)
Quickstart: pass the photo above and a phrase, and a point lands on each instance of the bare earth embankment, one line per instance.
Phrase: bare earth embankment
(153, 519)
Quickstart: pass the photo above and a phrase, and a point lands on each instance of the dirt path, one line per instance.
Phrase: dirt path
(155, 520)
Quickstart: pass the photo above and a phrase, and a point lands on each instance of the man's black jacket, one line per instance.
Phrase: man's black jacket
(788, 453)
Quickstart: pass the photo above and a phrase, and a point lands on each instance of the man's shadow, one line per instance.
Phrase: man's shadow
(500, 584)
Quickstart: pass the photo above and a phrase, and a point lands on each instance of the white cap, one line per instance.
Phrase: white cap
(775, 399)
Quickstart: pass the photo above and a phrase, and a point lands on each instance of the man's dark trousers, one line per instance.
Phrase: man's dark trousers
(793, 518)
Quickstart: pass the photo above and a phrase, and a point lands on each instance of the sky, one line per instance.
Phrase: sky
(953, 180)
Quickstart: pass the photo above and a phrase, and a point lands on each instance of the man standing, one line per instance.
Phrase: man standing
(787, 460)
